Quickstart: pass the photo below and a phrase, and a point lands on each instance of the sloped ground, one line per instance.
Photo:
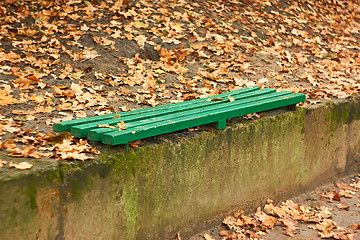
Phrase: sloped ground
(70, 59)
(329, 212)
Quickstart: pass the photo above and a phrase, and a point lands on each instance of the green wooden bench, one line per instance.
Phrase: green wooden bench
(148, 122)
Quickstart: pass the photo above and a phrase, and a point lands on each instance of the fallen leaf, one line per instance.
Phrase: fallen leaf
(231, 99)
(25, 151)
(343, 206)
(325, 212)
(8, 144)
(121, 125)
(214, 99)
(140, 39)
(2, 163)
(105, 126)
(344, 186)
(290, 226)
(21, 166)
(224, 233)
(135, 144)
(59, 138)
(208, 237)
(355, 226)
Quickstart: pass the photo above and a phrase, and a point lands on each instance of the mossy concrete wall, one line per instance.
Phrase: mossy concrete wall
(183, 180)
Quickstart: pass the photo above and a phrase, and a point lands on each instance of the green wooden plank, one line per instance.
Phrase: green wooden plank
(82, 130)
(140, 132)
(221, 124)
(66, 125)
(95, 134)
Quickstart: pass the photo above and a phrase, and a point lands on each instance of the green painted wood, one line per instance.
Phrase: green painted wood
(66, 125)
(166, 126)
(96, 134)
(221, 124)
(149, 122)
(82, 130)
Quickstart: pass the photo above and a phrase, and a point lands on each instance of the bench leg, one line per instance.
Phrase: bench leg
(127, 147)
(221, 124)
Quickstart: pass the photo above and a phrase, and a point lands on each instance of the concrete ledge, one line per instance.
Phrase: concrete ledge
(183, 180)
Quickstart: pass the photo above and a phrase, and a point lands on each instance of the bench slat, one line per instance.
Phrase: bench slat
(66, 125)
(96, 134)
(166, 126)
(82, 130)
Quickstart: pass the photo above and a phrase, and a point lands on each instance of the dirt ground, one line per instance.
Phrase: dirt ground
(67, 59)
(329, 212)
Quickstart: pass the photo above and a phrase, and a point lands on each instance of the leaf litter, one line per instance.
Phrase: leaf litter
(291, 220)
(89, 58)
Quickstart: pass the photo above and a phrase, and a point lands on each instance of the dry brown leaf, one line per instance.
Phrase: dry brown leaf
(135, 144)
(2, 163)
(326, 226)
(140, 39)
(355, 226)
(344, 193)
(121, 126)
(105, 126)
(289, 225)
(231, 99)
(25, 151)
(266, 220)
(208, 237)
(344, 186)
(58, 138)
(214, 99)
(21, 166)
(269, 208)
(325, 212)
(224, 233)
(343, 206)
(8, 144)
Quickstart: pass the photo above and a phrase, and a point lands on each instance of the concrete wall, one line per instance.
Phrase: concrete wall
(183, 180)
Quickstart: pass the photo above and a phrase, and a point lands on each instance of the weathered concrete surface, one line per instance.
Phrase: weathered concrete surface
(183, 179)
